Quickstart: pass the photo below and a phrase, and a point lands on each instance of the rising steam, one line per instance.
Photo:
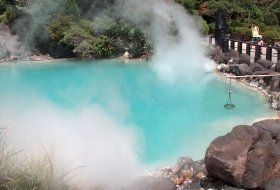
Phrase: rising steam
(179, 47)
(90, 136)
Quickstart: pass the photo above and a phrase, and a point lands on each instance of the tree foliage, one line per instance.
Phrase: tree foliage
(91, 28)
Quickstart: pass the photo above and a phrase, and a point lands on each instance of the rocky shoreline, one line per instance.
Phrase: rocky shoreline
(246, 158)
(233, 64)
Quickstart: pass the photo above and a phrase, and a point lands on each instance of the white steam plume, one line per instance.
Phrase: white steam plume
(105, 147)
(179, 47)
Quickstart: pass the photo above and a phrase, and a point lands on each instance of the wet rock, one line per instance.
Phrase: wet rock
(244, 58)
(184, 162)
(240, 69)
(277, 66)
(222, 68)
(272, 126)
(211, 183)
(273, 184)
(257, 67)
(226, 156)
(232, 54)
(222, 58)
(265, 63)
(275, 84)
(215, 52)
(247, 157)
(273, 67)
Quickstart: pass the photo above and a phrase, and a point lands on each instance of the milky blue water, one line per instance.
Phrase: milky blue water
(174, 119)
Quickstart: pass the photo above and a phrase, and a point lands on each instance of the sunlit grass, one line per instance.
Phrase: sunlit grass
(20, 170)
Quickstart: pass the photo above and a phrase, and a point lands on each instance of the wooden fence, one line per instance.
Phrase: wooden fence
(256, 52)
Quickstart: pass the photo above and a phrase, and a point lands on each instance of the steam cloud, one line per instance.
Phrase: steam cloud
(90, 136)
(104, 146)
(179, 48)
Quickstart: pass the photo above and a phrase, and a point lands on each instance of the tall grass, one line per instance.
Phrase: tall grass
(20, 170)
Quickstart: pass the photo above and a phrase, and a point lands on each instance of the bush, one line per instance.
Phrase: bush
(86, 25)
(212, 28)
(231, 25)
(59, 26)
(7, 17)
(270, 35)
(96, 47)
(204, 28)
(270, 19)
(74, 36)
(188, 4)
(3, 6)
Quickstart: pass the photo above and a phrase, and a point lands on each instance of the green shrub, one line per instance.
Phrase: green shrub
(204, 28)
(96, 47)
(188, 4)
(212, 28)
(262, 27)
(86, 25)
(7, 17)
(270, 19)
(74, 36)
(270, 35)
(59, 26)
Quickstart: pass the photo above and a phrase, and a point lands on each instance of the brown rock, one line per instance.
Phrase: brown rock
(226, 156)
(247, 157)
(270, 125)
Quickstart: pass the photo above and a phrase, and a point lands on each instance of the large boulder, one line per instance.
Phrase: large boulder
(226, 156)
(244, 58)
(232, 53)
(222, 68)
(240, 69)
(277, 66)
(215, 52)
(275, 84)
(222, 58)
(257, 67)
(265, 63)
(247, 157)
(272, 126)
(273, 184)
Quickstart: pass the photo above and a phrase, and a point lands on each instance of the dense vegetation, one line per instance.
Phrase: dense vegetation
(67, 28)
(240, 15)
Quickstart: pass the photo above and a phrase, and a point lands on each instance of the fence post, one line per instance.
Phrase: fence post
(225, 45)
(248, 49)
(210, 40)
(269, 53)
(257, 53)
(239, 47)
(232, 44)
(278, 53)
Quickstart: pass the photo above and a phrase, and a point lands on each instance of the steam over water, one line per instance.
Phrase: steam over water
(112, 117)
(116, 119)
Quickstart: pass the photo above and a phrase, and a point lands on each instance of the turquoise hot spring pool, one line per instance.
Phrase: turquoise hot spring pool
(169, 119)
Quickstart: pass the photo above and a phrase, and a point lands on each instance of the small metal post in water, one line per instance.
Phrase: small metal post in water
(229, 105)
